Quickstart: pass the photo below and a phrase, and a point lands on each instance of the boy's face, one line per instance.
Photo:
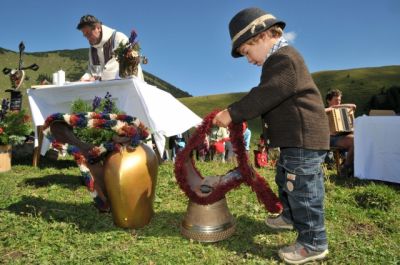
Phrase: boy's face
(256, 53)
(336, 100)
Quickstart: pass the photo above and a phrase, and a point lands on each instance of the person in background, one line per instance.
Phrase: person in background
(260, 156)
(290, 103)
(219, 151)
(212, 141)
(203, 149)
(217, 142)
(261, 153)
(246, 137)
(261, 140)
(342, 141)
(229, 152)
(176, 144)
(103, 41)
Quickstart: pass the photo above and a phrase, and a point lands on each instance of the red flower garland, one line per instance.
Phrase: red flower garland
(257, 183)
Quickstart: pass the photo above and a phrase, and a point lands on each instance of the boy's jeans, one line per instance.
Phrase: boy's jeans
(301, 189)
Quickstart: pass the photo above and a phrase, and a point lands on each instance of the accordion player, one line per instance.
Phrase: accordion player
(341, 120)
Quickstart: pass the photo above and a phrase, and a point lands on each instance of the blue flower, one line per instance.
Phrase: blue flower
(133, 36)
(72, 149)
(108, 104)
(96, 103)
(109, 124)
(109, 146)
(135, 140)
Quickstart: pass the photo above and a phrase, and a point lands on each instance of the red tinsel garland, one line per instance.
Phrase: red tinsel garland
(257, 183)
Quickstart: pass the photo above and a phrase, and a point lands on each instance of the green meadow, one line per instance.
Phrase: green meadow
(47, 217)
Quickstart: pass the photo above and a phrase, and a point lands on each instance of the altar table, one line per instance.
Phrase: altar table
(157, 109)
(377, 148)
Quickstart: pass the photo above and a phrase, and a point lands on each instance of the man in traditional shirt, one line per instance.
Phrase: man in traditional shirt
(103, 41)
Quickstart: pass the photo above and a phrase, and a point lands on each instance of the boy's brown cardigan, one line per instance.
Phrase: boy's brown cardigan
(288, 101)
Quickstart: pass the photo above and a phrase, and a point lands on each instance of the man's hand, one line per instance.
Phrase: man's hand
(87, 79)
(222, 119)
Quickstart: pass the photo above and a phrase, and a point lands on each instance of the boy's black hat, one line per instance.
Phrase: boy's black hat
(248, 23)
(87, 20)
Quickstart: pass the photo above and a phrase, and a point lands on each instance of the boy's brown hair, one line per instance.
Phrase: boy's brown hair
(333, 93)
(275, 31)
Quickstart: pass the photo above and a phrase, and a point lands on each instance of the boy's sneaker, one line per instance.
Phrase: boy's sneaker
(298, 254)
(278, 223)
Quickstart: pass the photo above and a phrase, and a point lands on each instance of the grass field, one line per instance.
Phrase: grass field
(47, 217)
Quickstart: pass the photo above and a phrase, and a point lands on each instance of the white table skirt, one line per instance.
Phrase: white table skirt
(377, 148)
(158, 110)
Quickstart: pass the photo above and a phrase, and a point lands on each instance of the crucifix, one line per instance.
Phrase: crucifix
(17, 77)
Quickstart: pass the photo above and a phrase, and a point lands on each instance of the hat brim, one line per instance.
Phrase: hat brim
(248, 35)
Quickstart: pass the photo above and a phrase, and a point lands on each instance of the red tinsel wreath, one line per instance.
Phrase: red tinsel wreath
(248, 175)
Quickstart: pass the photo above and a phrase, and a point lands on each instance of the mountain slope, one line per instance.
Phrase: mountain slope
(358, 86)
(73, 62)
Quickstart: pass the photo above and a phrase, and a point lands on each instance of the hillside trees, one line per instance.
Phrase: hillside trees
(386, 100)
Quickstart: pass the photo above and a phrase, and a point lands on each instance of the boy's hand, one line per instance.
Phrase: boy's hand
(222, 119)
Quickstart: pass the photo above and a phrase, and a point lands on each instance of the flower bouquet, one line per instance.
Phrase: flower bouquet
(14, 130)
(128, 57)
(14, 125)
(93, 135)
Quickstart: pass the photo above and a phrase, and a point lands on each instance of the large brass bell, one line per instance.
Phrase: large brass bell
(130, 179)
(208, 223)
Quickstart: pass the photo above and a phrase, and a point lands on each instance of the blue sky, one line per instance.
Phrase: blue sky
(187, 42)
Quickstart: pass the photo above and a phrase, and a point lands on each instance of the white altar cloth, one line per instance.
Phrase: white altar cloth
(377, 148)
(157, 109)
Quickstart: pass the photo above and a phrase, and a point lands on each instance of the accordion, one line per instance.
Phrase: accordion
(340, 120)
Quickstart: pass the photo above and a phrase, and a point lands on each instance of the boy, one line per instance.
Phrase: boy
(291, 106)
(343, 141)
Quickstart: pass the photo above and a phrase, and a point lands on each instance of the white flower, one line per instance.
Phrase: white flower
(136, 121)
(135, 53)
(118, 126)
(90, 123)
(47, 131)
(93, 194)
(83, 168)
(102, 149)
(67, 118)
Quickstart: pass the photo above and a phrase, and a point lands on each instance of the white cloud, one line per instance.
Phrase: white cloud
(290, 36)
